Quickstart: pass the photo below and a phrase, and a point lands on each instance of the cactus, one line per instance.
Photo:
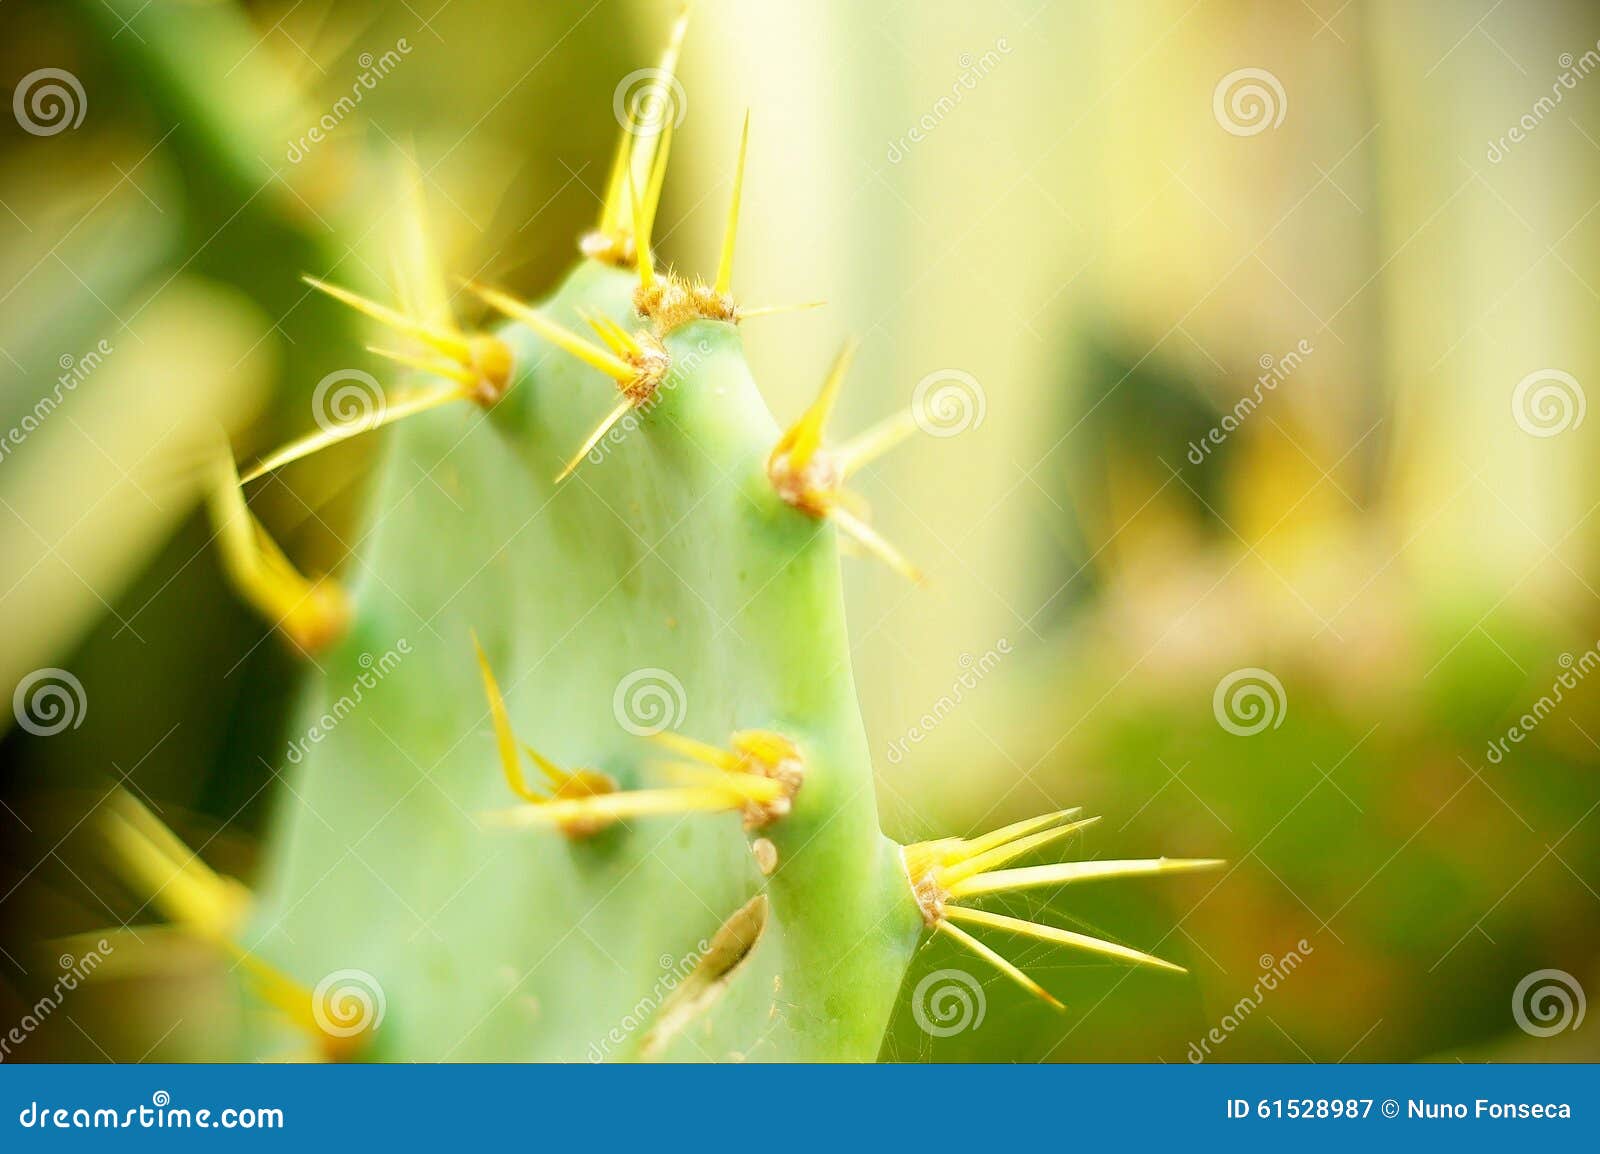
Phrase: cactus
(582, 771)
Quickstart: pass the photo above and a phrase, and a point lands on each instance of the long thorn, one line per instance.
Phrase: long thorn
(311, 613)
(1000, 855)
(621, 335)
(669, 57)
(658, 179)
(278, 990)
(168, 844)
(1065, 873)
(449, 370)
(553, 773)
(194, 899)
(614, 205)
(602, 332)
(1000, 963)
(731, 231)
(606, 332)
(1059, 937)
(802, 441)
(874, 443)
(420, 286)
(619, 806)
(652, 148)
(870, 540)
(590, 354)
(399, 409)
(593, 439)
(505, 740)
(698, 750)
(773, 310)
(748, 786)
(437, 339)
(971, 847)
(643, 261)
(172, 876)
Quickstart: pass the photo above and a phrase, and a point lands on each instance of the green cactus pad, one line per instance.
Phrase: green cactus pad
(664, 582)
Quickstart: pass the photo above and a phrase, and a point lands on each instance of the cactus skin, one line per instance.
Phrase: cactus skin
(673, 553)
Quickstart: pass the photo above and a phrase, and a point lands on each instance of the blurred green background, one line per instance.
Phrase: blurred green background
(1094, 229)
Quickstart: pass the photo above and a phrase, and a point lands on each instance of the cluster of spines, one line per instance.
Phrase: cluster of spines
(944, 874)
(204, 905)
(758, 776)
